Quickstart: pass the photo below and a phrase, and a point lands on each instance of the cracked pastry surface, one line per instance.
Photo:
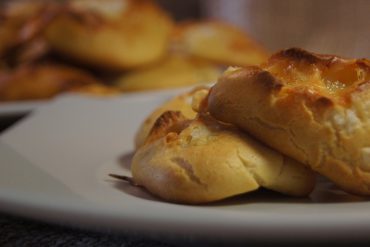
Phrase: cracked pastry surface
(313, 108)
(202, 160)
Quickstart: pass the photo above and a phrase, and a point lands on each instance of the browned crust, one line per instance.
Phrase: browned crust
(323, 127)
(169, 121)
(269, 81)
(178, 103)
(309, 64)
(301, 55)
(298, 54)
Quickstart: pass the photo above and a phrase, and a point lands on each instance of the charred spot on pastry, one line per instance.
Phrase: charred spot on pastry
(169, 122)
(269, 81)
(324, 102)
(166, 119)
(299, 55)
(364, 64)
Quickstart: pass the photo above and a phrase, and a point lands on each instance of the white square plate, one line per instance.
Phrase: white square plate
(55, 165)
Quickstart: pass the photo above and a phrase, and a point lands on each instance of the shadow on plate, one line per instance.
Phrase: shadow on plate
(124, 162)
(325, 192)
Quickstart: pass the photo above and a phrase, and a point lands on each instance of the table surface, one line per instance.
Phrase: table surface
(16, 231)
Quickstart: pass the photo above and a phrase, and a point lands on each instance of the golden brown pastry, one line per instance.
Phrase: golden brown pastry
(113, 34)
(181, 103)
(173, 71)
(202, 160)
(218, 42)
(314, 108)
(41, 82)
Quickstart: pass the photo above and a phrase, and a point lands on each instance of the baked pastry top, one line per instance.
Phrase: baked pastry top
(330, 77)
(313, 108)
(199, 160)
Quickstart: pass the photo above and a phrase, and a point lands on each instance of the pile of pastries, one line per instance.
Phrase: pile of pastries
(110, 47)
(275, 126)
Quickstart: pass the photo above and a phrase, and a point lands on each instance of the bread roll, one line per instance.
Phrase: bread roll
(313, 108)
(202, 160)
(21, 29)
(218, 42)
(173, 71)
(33, 82)
(113, 34)
(15, 16)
